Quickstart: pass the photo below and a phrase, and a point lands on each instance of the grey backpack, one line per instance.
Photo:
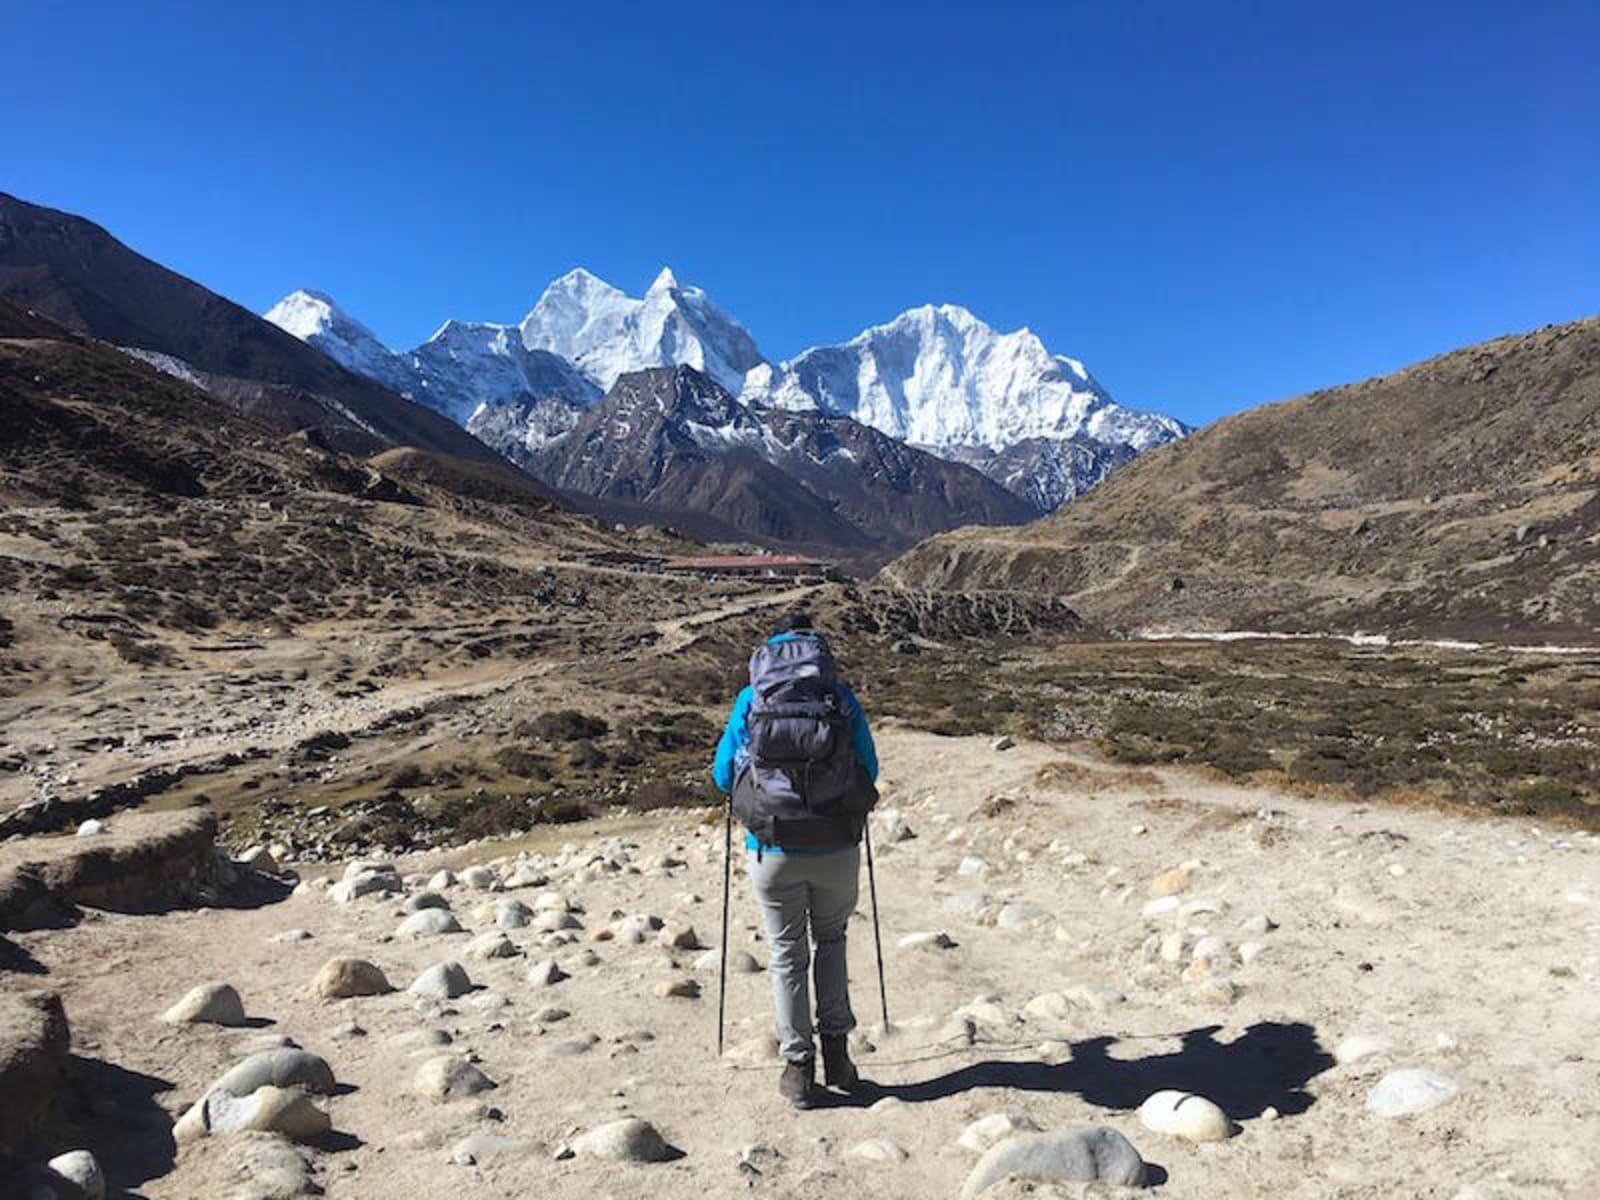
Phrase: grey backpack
(805, 786)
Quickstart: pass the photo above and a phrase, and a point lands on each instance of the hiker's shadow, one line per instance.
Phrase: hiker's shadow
(1266, 1066)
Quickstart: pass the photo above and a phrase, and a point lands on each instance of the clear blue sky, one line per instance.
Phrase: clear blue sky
(1212, 204)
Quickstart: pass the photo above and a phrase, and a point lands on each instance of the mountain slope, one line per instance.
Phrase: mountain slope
(76, 273)
(1461, 494)
(675, 442)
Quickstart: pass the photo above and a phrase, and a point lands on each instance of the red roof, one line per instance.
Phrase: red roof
(724, 562)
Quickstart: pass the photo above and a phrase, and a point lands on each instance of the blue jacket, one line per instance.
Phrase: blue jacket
(733, 750)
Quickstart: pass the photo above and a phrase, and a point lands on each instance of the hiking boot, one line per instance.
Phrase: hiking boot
(796, 1082)
(837, 1069)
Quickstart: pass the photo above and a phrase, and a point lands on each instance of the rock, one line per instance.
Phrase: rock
(1212, 949)
(573, 1047)
(554, 922)
(422, 900)
(627, 1140)
(680, 937)
(269, 1109)
(1161, 906)
(1360, 1045)
(527, 875)
(293, 935)
(350, 1029)
(367, 883)
(1020, 915)
(449, 1077)
(492, 944)
(545, 972)
(484, 1147)
(879, 1150)
(927, 940)
(417, 1041)
(1214, 989)
(1258, 925)
(995, 1128)
(550, 1014)
(512, 914)
(429, 922)
(971, 866)
(209, 1004)
(275, 1169)
(1185, 1115)
(1409, 1091)
(1170, 883)
(483, 879)
(283, 1068)
(258, 858)
(442, 881)
(893, 826)
(551, 902)
(1003, 742)
(79, 1169)
(443, 981)
(341, 978)
(93, 827)
(1087, 1155)
(1062, 1005)
(1251, 950)
(687, 989)
(740, 962)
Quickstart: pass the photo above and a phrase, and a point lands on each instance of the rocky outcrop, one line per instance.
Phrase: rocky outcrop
(33, 1066)
(145, 861)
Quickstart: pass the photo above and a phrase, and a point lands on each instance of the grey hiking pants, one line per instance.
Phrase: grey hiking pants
(806, 901)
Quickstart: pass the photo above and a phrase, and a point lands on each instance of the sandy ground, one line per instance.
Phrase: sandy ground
(1471, 945)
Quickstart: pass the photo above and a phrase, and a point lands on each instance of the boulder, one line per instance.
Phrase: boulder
(286, 1111)
(1410, 1091)
(1185, 1115)
(341, 978)
(208, 1004)
(283, 1068)
(79, 1170)
(1095, 1154)
(449, 1077)
(627, 1140)
(428, 922)
(443, 981)
(990, 1131)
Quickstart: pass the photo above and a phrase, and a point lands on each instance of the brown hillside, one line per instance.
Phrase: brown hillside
(1460, 495)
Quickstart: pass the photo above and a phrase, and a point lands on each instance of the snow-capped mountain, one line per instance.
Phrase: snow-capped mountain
(938, 376)
(462, 366)
(315, 319)
(606, 333)
(935, 377)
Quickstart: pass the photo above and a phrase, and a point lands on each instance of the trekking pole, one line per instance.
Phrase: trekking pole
(727, 876)
(877, 938)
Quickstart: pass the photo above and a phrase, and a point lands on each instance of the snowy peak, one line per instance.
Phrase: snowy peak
(315, 319)
(607, 333)
(939, 376)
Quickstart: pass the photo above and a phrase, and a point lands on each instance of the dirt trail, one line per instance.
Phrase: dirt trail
(1469, 946)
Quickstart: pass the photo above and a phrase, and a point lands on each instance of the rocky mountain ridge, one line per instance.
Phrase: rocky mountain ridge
(936, 377)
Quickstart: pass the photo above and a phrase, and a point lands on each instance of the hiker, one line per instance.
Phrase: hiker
(798, 762)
